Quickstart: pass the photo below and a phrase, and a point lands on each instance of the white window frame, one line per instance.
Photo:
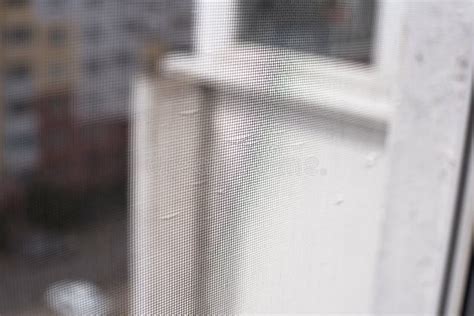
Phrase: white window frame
(210, 40)
(456, 282)
(216, 50)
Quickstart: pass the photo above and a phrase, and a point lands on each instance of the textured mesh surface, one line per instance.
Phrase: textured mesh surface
(163, 156)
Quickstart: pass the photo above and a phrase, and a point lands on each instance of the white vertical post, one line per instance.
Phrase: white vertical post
(140, 199)
(216, 24)
(165, 191)
(388, 37)
(425, 152)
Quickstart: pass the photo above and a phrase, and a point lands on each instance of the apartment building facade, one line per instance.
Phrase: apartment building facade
(111, 39)
(87, 49)
(37, 58)
(19, 68)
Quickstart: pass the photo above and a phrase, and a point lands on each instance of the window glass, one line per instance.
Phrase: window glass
(327, 27)
(16, 72)
(18, 107)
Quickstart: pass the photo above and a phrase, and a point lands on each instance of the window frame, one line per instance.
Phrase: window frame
(210, 40)
(214, 60)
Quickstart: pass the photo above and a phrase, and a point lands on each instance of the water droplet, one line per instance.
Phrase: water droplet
(339, 200)
(451, 158)
(461, 77)
(463, 62)
(371, 159)
(419, 58)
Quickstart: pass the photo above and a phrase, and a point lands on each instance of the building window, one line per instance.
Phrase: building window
(57, 36)
(334, 28)
(20, 35)
(18, 107)
(18, 72)
(20, 142)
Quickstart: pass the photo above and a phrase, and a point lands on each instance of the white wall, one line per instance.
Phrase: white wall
(296, 202)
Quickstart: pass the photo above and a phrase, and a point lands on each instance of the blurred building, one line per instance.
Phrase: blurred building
(334, 28)
(20, 66)
(37, 58)
(56, 135)
(67, 69)
(110, 40)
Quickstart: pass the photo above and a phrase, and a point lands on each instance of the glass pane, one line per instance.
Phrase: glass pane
(327, 27)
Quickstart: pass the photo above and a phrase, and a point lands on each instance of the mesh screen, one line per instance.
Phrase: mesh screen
(192, 156)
